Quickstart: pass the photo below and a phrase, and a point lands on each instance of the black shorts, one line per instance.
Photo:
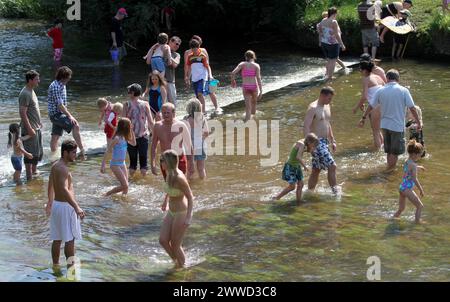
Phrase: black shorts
(400, 39)
(394, 142)
(330, 51)
(34, 146)
(61, 122)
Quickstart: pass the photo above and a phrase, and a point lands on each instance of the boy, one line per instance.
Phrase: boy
(55, 33)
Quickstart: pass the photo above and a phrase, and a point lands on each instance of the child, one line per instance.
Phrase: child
(199, 131)
(157, 93)
(55, 33)
(17, 157)
(118, 147)
(251, 82)
(105, 108)
(412, 127)
(410, 179)
(158, 53)
(292, 172)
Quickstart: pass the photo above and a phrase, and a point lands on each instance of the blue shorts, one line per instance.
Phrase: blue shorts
(60, 122)
(198, 156)
(17, 162)
(201, 86)
(292, 174)
(158, 64)
(321, 157)
(331, 51)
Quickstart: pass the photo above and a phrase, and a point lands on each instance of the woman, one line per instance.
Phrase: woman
(212, 95)
(179, 215)
(251, 82)
(330, 40)
(371, 83)
(157, 93)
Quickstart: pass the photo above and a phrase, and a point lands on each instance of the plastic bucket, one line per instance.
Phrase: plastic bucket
(213, 85)
(114, 54)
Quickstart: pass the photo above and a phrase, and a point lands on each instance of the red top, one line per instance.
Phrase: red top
(56, 34)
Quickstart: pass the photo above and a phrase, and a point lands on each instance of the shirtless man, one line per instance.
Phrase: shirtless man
(165, 132)
(317, 121)
(64, 211)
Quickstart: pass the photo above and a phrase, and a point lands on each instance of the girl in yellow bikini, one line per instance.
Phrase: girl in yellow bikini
(179, 215)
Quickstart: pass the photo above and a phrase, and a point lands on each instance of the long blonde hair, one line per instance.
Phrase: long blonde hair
(170, 157)
(194, 110)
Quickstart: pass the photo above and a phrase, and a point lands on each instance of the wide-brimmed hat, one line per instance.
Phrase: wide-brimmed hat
(406, 12)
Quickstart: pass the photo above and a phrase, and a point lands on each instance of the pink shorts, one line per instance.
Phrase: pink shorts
(249, 88)
(57, 54)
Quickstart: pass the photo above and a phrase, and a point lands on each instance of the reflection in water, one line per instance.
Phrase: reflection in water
(237, 233)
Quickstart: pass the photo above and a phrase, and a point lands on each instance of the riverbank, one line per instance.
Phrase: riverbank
(431, 40)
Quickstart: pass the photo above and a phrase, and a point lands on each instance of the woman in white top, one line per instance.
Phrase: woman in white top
(331, 41)
(371, 83)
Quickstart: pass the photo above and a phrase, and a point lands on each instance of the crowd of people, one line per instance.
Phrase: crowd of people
(148, 117)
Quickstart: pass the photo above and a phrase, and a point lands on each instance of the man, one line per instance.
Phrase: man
(369, 32)
(394, 8)
(141, 118)
(58, 113)
(117, 34)
(171, 134)
(174, 44)
(394, 99)
(317, 121)
(31, 122)
(64, 211)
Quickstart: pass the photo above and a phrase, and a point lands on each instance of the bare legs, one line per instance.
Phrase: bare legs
(331, 64)
(375, 118)
(69, 250)
(314, 177)
(121, 174)
(251, 99)
(411, 195)
(171, 237)
(289, 188)
(76, 136)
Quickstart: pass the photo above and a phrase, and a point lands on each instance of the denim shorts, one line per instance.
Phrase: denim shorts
(17, 162)
(60, 122)
(331, 51)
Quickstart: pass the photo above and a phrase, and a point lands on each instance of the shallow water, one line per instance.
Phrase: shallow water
(237, 233)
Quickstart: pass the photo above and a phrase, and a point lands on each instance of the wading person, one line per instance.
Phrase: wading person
(117, 33)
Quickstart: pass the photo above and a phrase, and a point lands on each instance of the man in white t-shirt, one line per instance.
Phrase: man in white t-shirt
(394, 100)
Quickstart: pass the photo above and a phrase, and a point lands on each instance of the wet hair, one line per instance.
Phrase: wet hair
(168, 105)
(124, 128)
(194, 43)
(134, 88)
(30, 75)
(68, 145)
(170, 158)
(332, 11)
(117, 107)
(366, 65)
(101, 102)
(311, 138)
(63, 73)
(161, 80)
(163, 38)
(195, 37)
(13, 135)
(327, 90)
(414, 147)
(250, 55)
(393, 75)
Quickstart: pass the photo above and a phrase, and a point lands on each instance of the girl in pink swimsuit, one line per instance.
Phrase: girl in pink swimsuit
(251, 82)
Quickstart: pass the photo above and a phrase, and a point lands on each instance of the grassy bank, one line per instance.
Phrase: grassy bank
(431, 38)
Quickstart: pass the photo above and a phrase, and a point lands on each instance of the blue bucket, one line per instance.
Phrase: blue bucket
(213, 85)
(114, 54)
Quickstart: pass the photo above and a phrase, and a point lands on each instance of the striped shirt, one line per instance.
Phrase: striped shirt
(56, 95)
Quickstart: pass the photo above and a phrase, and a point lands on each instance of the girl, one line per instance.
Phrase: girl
(179, 216)
(18, 150)
(292, 172)
(187, 53)
(251, 83)
(118, 147)
(410, 179)
(157, 93)
(111, 121)
(199, 131)
(158, 53)
(371, 83)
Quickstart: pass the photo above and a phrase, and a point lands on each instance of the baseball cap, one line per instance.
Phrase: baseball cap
(123, 11)
(408, 1)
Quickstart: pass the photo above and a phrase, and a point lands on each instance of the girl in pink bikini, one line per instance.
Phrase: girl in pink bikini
(251, 82)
